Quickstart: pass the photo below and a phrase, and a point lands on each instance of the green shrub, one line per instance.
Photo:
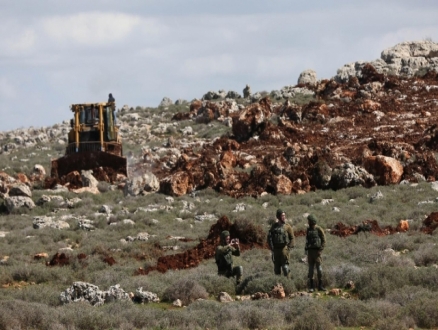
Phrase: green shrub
(350, 313)
(250, 315)
(263, 282)
(393, 323)
(426, 255)
(15, 314)
(185, 290)
(214, 284)
(316, 320)
(423, 309)
(342, 273)
(377, 281)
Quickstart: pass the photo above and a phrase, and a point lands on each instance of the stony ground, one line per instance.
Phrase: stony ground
(378, 125)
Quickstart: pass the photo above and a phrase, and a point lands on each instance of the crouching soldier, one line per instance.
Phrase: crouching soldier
(281, 240)
(224, 257)
(315, 243)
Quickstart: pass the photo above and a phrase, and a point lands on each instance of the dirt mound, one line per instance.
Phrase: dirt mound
(290, 148)
(430, 223)
(62, 259)
(371, 226)
(250, 236)
(74, 180)
(293, 149)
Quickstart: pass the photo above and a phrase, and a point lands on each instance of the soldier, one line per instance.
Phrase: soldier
(112, 99)
(315, 243)
(224, 257)
(281, 240)
(247, 92)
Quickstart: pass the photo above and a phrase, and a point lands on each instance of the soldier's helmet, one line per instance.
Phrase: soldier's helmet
(224, 235)
(312, 219)
(279, 213)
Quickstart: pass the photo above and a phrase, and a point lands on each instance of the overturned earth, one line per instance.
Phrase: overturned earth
(373, 130)
(376, 130)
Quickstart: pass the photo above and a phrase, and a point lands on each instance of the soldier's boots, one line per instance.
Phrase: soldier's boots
(320, 287)
(239, 273)
(286, 271)
(311, 286)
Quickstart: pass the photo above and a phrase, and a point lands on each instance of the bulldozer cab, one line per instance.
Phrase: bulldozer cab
(93, 140)
(93, 122)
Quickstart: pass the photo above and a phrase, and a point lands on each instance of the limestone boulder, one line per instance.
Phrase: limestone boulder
(83, 291)
(20, 190)
(386, 170)
(350, 175)
(6, 178)
(321, 174)
(21, 177)
(165, 102)
(224, 297)
(142, 297)
(307, 77)
(278, 292)
(282, 185)
(277, 164)
(145, 183)
(252, 119)
(408, 49)
(176, 184)
(228, 159)
(88, 180)
(14, 203)
(38, 173)
(40, 222)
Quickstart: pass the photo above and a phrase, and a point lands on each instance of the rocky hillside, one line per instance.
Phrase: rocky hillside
(373, 123)
(370, 129)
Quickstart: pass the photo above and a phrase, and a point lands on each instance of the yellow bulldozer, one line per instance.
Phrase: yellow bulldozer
(93, 142)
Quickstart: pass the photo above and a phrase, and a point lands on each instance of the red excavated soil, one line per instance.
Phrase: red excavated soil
(372, 226)
(249, 236)
(287, 148)
(430, 223)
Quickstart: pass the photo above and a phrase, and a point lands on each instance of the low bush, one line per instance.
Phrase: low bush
(186, 290)
(350, 313)
(265, 282)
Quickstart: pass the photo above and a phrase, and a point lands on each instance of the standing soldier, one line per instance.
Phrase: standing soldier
(224, 257)
(281, 240)
(247, 92)
(315, 243)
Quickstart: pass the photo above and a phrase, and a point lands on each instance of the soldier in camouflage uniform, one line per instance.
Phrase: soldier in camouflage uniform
(224, 257)
(315, 243)
(281, 239)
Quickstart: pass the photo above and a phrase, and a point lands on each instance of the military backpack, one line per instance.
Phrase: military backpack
(313, 239)
(279, 236)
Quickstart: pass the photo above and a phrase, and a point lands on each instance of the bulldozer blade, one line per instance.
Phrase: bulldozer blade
(87, 161)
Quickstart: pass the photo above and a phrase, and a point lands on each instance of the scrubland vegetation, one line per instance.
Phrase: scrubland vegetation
(395, 289)
(395, 276)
